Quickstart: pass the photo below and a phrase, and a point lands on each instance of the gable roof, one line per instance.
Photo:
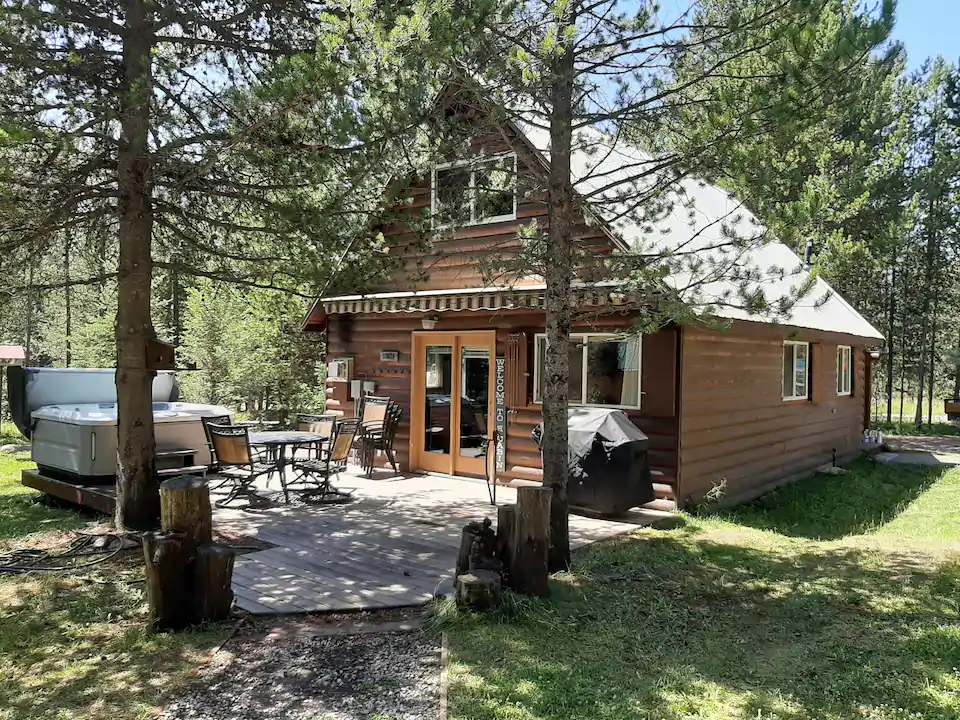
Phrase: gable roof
(697, 220)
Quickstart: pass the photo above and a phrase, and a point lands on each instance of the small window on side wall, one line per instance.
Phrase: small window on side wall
(844, 370)
(796, 370)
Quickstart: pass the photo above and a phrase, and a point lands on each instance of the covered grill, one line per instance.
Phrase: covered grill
(609, 471)
(70, 416)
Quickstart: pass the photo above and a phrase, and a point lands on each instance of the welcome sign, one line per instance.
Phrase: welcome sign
(500, 412)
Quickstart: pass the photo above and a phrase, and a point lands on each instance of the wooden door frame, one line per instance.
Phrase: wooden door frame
(456, 339)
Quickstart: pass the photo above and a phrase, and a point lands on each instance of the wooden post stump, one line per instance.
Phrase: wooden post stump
(506, 524)
(213, 575)
(479, 590)
(531, 545)
(165, 558)
(477, 542)
(185, 508)
(467, 536)
(188, 575)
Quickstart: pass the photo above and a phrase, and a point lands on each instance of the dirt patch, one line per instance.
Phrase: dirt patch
(316, 668)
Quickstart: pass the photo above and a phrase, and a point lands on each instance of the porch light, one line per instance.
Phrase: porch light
(429, 322)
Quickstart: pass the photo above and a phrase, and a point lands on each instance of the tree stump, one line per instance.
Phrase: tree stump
(165, 556)
(474, 532)
(213, 574)
(185, 508)
(506, 524)
(188, 576)
(479, 590)
(531, 546)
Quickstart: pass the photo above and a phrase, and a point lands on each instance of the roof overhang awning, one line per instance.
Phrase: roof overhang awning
(476, 299)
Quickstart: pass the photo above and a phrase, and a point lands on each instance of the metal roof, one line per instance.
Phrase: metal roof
(697, 220)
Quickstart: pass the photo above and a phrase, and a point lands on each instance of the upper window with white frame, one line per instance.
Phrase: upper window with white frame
(604, 369)
(796, 370)
(472, 192)
(844, 370)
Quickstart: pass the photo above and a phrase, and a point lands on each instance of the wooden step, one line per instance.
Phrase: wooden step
(519, 476)
(186, 470)
(174, 452)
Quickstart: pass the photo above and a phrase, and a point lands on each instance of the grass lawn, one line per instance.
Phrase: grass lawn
(834, 598)
(73, 645)
(909, 428)
(9, 435)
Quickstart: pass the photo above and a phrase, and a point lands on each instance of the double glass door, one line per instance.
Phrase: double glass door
(452, 401)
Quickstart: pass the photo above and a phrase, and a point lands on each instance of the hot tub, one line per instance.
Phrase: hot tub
(70, 416)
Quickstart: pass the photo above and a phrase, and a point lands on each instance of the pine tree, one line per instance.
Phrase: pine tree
(166, 131)
(593, 75)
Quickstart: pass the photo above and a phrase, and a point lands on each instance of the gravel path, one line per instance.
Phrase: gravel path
(382, 676)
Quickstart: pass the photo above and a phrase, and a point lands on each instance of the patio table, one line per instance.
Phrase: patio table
(280, 440)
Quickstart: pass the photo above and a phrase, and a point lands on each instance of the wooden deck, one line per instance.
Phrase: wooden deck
(391, 547)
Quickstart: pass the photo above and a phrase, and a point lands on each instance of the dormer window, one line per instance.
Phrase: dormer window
(473, 192)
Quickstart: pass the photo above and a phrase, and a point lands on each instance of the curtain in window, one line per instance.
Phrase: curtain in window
(630, 366)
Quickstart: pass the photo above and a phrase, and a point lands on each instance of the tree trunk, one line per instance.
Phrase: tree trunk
(921, 377)
(28, 345)
(933, 360)
(506, 532)
(176, 322)
(558, 271)
(529, 570)
(68, 320)
(891, 289)
(138, 502)
(956, 372)
(929, 281)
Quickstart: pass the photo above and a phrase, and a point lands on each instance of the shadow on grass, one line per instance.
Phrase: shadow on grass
(826, 507)
(77, 646)
(24, 514)
(676, 627)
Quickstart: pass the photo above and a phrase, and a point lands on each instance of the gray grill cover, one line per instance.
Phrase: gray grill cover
(609, 471)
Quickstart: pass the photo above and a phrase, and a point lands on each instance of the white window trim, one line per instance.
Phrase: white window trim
(806, 377)
(470, 163)
(840, 391)
(585, 337)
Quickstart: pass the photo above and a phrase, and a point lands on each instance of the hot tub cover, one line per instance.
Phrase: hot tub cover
(34, 388)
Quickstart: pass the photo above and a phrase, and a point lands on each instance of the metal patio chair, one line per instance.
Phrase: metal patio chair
(372, 411)
(374, 439)
(238, 464)
(206, 422)
(321, 424)
(331, 461)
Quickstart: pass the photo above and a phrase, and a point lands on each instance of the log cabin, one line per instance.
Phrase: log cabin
(734, 401)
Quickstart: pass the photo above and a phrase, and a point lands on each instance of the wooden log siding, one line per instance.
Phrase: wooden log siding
(738, 430)
(363, 336)
(450, 259)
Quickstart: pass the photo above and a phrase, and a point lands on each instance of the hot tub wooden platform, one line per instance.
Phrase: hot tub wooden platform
(96, 497)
